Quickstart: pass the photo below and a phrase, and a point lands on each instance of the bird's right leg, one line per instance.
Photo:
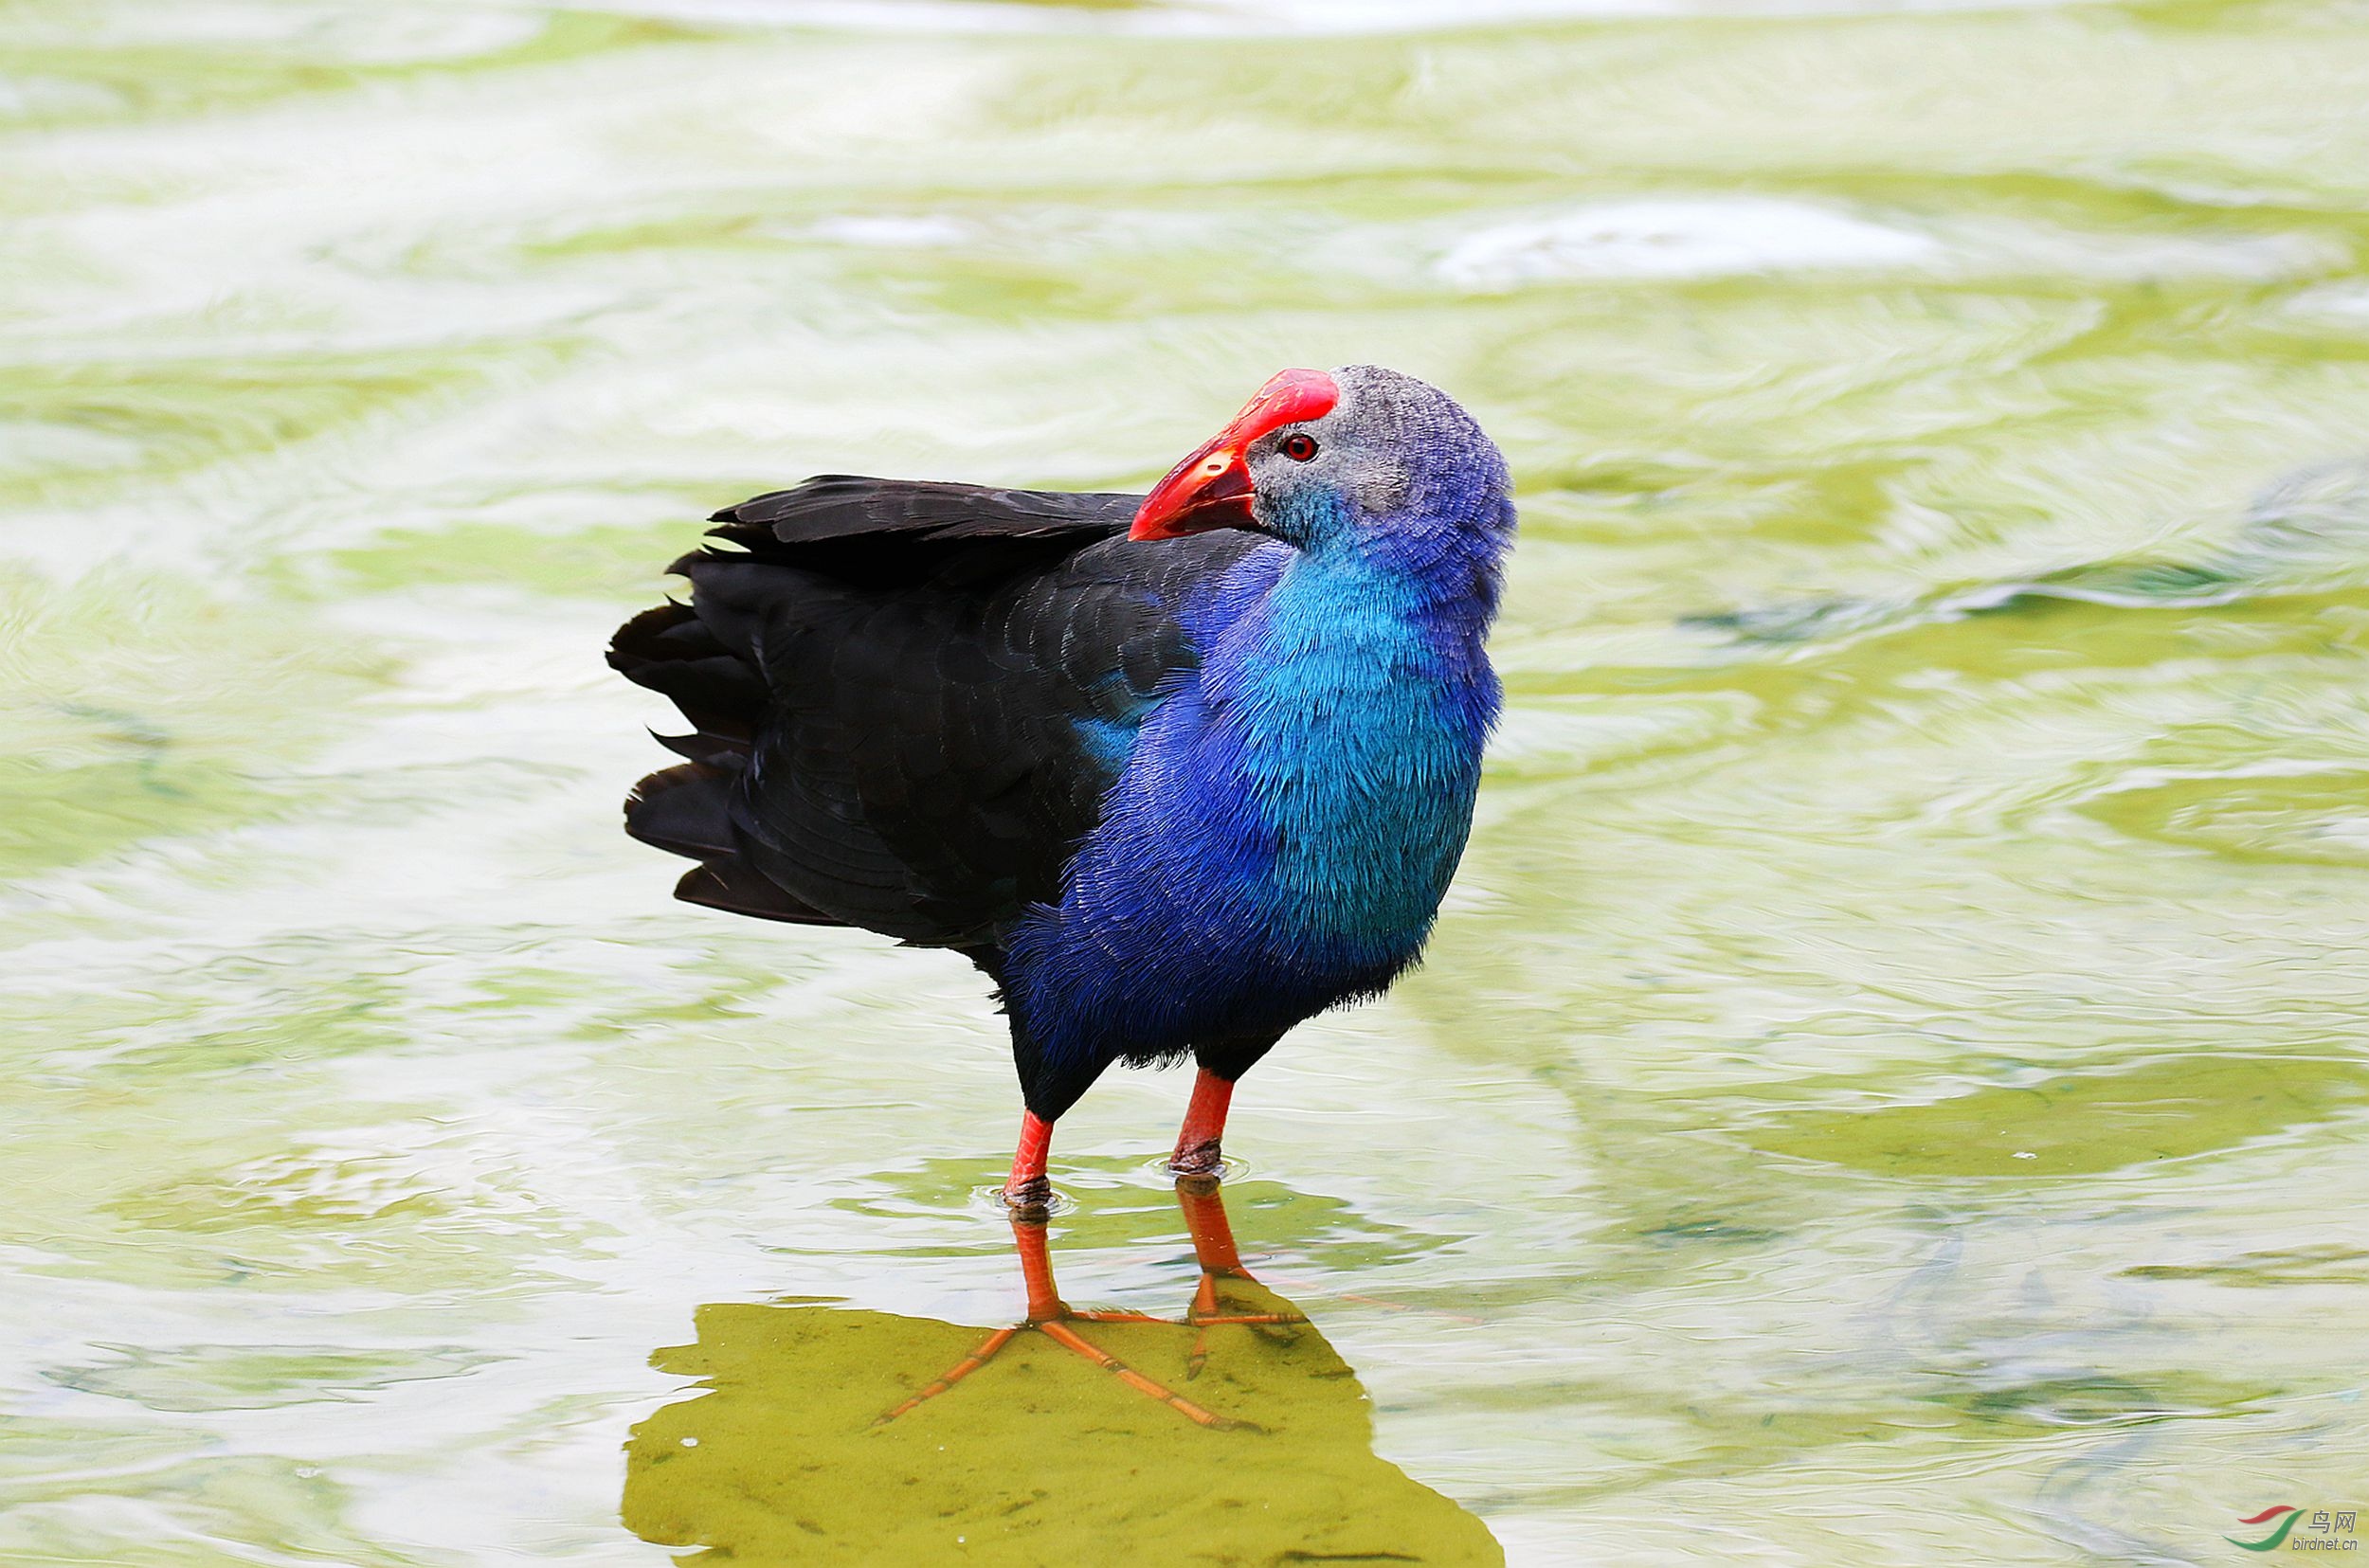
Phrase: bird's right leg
(1050, 1088)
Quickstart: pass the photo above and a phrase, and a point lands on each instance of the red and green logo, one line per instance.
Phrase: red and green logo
(2286, 1513)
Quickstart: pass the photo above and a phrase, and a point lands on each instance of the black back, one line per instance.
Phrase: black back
(908, 698)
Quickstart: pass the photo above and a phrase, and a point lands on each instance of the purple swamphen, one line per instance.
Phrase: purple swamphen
(1177, 771)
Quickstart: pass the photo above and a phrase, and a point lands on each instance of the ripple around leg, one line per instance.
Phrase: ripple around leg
(990, 1199)
(1230, 1168)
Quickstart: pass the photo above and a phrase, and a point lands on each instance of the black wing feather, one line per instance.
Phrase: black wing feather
(837, 506)
(891, 683)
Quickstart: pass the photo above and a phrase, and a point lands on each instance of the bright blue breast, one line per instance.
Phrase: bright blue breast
(1363, 723)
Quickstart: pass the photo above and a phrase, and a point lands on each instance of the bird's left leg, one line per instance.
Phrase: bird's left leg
(1036, 1273)
(1200, 1141)
(1028, 1192)
(1051, 1316)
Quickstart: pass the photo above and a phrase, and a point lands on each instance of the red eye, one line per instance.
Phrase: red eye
(1299, 446)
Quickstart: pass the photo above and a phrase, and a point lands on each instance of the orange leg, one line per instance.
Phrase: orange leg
(1213, 1248)
(1028, 1191)
(1213, 1244)
(1036, 1273)
(1212, 1232)
(1205, 1127)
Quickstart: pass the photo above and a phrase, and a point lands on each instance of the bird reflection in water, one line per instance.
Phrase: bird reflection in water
(1231, 1433)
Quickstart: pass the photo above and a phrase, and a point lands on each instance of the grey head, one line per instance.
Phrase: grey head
(1355, 457)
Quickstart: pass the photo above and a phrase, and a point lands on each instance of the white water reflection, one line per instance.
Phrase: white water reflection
(1677, 239)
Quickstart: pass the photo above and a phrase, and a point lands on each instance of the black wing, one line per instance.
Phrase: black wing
(908, 698)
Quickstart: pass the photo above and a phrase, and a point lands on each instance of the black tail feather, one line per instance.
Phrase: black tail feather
(701, 746)
(729, 884)
(672, 652)
(685, 809)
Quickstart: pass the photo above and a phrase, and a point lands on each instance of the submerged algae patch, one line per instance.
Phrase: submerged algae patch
(2329, 1264)
(138, 706)
(2080, 1123)
(2299, 814)
(65, 816)
(1037, 1457)
(2093, 1399)
(612, 559)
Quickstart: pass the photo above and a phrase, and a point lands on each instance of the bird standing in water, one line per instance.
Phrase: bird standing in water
(1177, 771)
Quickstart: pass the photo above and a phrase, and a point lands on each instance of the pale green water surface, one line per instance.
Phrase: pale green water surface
(1890, 1087)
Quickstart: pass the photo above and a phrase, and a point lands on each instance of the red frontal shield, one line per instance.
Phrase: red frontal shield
(1211, 487)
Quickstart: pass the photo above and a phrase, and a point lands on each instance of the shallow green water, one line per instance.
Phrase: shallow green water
(1890, 1086)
